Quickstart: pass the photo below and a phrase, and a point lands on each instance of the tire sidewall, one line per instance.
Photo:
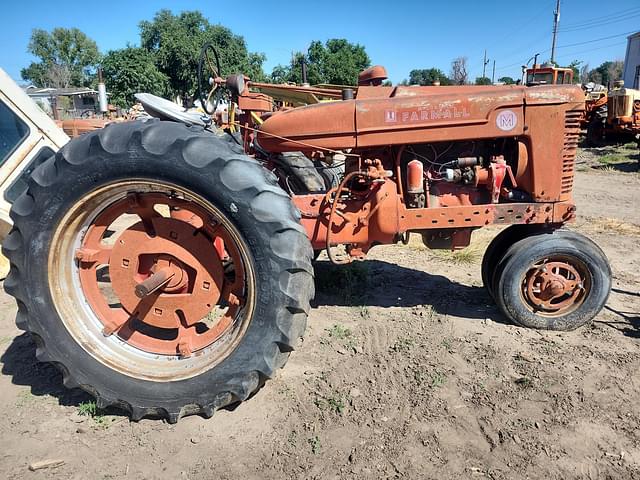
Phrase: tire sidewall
(522, 257)
(238, 372)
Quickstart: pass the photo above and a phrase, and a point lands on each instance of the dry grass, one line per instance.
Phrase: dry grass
(611, 225)
(470, 255)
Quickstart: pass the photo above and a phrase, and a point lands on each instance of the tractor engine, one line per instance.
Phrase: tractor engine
(460, 173)
(440, 161)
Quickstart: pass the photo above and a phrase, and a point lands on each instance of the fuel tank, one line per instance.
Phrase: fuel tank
(381, 116)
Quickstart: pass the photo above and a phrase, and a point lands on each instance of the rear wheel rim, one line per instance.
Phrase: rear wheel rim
(556, 285)
(152, 280)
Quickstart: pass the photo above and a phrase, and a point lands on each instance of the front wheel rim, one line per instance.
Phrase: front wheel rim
(152, 280)
(556, 285)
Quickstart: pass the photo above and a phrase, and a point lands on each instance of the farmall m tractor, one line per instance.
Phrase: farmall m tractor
(167, 267)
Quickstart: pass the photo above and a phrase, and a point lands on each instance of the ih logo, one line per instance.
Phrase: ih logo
(390, 116)
(506, 120)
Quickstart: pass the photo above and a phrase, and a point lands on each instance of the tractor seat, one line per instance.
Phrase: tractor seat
(166, 110)
(372, 76)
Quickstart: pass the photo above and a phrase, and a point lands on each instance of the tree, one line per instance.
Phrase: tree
(428, 77)
(67, 56)
(607, 72)
(131, 70)
(507, 80)
(614, 71)
(483, 81)
(176, 40)
(337, 61)
(584, 73)
(575, 66)
(459, 74)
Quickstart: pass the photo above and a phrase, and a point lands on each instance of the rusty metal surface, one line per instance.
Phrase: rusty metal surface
(556, 286)
(328, 125)
(165, 273)
(391, 217)
(372, 76)
(78, 126)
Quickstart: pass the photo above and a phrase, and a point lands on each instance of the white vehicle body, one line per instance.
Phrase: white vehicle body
(27, 138)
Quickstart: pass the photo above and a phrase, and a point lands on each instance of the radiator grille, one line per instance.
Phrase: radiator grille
(571, 137)
(618, 106)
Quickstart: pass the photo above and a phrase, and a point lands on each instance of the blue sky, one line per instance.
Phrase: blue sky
(399, 34)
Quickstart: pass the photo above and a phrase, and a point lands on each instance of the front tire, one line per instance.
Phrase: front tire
(497, 248)
(156, 172)
(553, 281)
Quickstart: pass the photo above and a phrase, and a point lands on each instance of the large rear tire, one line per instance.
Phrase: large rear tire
(211, 216)
(596, 129)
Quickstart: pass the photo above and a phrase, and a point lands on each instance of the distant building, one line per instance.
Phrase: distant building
(73, 102)
(631, 75)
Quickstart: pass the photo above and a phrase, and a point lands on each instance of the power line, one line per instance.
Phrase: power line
(602, 18)
(574, 45)
(598, 39)
(599, 24)
(524, 25)
(567, 55)
(519, 28)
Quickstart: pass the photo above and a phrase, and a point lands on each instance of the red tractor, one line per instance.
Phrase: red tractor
(166, 267)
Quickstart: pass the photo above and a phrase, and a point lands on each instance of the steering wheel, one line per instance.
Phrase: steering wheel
(210, 90)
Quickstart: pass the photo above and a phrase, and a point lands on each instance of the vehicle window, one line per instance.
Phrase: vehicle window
(543, 78)
(19, 185)
(12, 132)
(560, 78)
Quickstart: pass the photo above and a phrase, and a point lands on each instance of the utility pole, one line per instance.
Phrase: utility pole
(493, 74)
(484, 64)
(556, 21)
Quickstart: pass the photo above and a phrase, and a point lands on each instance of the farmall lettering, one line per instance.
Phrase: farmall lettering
(427, 114)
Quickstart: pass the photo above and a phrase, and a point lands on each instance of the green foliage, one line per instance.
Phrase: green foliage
(339, 331)
(575, 66)
(607, 72)
(334, 403)
(176, 41)
(507, 80)
(438, 379)
(131, 70)
(428, 76)
(483, 81)
(314, 442)
(337, 62)
(88, 409)
(67, 57)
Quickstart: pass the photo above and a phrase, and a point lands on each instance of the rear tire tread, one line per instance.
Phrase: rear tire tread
(137, 136)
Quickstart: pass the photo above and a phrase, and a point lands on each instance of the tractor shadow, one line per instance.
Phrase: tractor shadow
(19, 361)
(629, 323)
(381, 284)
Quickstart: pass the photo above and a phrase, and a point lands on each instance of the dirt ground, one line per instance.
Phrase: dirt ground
(407, 371)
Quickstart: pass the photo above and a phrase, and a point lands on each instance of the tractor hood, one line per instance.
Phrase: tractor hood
(381, 116)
